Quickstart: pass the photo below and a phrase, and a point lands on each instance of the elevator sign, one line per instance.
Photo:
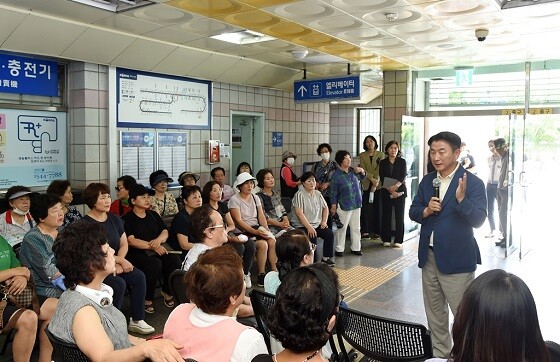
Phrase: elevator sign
(332, 89)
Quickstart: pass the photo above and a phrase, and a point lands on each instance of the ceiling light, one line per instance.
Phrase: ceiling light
(243, 37)
(299, 53)
(510, 4)
(116, 6)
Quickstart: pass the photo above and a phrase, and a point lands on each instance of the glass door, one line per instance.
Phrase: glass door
(515, 190)
(412, 148)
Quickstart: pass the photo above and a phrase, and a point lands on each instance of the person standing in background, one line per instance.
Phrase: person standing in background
(502, 151)
(466, 159)
(393, 197)
(289, 182)
(218, 174)
(495, 166)
(346, 199)
(370, 221)
(323, 171)
(447, 251)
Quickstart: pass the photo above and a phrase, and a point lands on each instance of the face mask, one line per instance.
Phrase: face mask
(290, 160)
(325, 156)
(17, 211)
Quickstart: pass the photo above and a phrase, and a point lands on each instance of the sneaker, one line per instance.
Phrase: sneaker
(261, 280)
(328, 261)
(247, 279)
(397, 245)
(140, 327)
(490, 235)
(386, 244)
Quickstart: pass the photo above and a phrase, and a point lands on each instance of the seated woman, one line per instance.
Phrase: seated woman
(16, 221)
(146, 235)
(23, 320)
(97, 198)
(249, 219)
(276, 215)
(162, 201)
(85, 315)
(304, 314)
(310, 212)
(497, 321)
(211, 195)
(179, 236)
(63, 190)
(36, 250)
(121, 206)
(293, 250)
(207, 327)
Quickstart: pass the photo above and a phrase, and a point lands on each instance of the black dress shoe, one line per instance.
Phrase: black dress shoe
(357, 252)
(500, 243)
(339, 253)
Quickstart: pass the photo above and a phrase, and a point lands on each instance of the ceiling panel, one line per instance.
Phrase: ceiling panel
(181, 61)
(9, 20)
(241, 71)
(97, 46)
(143, 54)
(41, 35)
(214, 66)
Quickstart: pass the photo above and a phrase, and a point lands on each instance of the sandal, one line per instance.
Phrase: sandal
(149, 308)
(168, 300)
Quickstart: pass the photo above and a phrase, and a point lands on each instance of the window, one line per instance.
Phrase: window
(369, 123)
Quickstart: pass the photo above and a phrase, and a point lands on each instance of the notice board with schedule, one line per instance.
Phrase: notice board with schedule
(33, 149)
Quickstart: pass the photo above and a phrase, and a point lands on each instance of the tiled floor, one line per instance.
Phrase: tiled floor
(396, 279)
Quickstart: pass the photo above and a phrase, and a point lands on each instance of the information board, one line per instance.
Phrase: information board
(32, 147)
(149, 100)
(138, 155)
(172, 153)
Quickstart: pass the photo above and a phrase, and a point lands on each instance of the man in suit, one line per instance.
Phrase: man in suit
(447, 251)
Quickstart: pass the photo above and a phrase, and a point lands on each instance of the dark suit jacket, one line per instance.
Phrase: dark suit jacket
(455, 248)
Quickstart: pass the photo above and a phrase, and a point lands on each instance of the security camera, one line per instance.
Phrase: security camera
(481, 34)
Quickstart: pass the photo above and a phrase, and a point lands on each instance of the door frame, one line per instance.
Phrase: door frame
(258, 140)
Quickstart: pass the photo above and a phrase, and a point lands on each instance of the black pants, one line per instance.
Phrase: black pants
(154, 267)
(328, 240)
(370, 218)
(246, 251)
(388, 204)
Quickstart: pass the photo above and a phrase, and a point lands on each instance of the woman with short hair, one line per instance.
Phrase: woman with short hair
(274, 211)
(215, 286)
(162, 201)
(179, 236)
(86, 316)
(97, 197)
(121, 206)
(63, 189)
(310, 213)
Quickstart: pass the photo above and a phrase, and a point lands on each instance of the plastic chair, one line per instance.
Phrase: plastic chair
(553, 351)
(262, 302)
(177, 286)
(382, 339)
(64, 351)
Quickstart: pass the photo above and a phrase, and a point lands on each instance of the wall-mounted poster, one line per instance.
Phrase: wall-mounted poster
(172, 153)
(138, 155)
(149, 100)
(32, 147)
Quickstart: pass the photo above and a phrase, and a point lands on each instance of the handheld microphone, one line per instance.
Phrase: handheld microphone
(436, 183)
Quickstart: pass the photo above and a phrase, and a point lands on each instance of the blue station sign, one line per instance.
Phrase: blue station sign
(23, 75)
(320, 90)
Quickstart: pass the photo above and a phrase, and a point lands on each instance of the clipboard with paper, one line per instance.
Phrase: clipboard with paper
(388, 182)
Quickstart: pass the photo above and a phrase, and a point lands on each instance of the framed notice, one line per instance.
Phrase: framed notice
(172, 153)
(149, 100)
(32, 147)
(138, 155)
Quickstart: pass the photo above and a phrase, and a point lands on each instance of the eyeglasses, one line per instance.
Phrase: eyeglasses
(119, 188)
(313, 246)
(216, 226)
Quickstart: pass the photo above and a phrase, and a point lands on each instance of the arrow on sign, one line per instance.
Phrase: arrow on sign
(302, 89)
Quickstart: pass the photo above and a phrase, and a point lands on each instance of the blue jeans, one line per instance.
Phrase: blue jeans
(492, 196)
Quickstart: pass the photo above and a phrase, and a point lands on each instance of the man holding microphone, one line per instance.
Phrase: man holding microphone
(448, 211)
